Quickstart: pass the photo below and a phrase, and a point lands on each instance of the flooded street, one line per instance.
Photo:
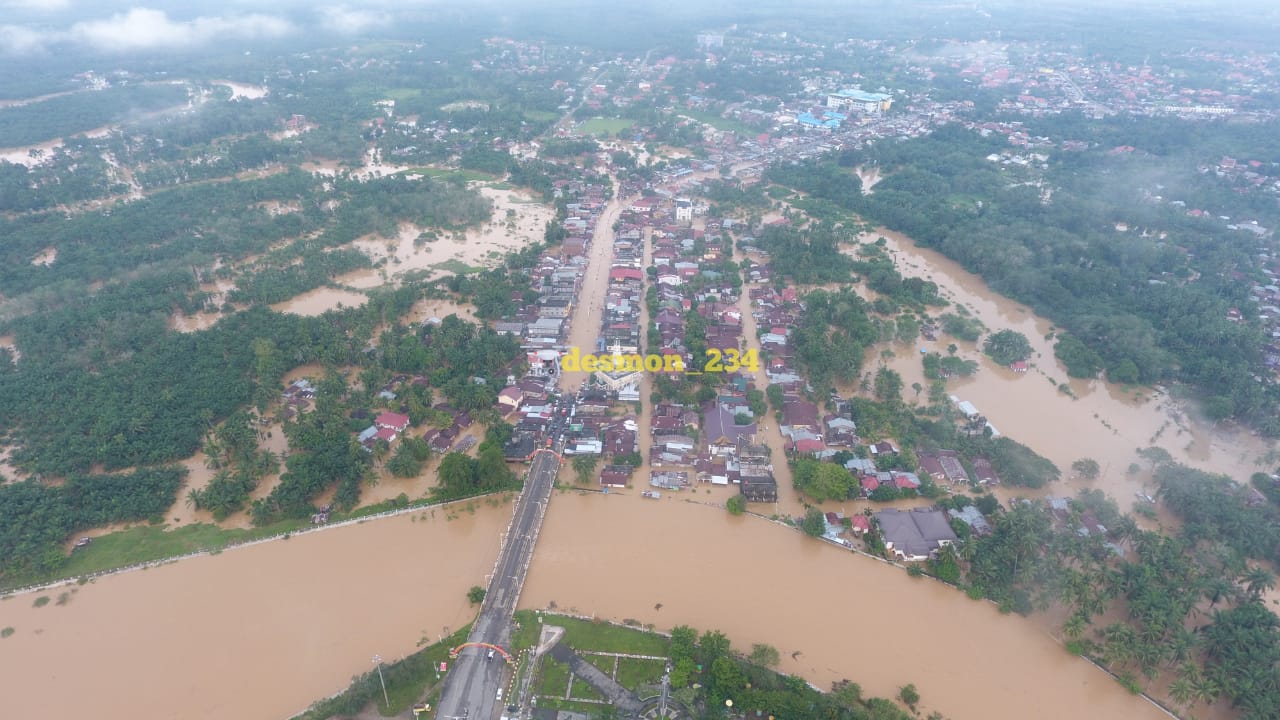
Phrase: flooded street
(1103, 421)
(830, 614)
(257, 632)
(589, 308)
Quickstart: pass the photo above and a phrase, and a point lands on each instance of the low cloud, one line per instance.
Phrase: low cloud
(147, 29)
(342, 19)
(18, 40)
(36, 5)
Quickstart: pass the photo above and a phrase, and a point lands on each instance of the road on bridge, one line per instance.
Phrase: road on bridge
(471, 687)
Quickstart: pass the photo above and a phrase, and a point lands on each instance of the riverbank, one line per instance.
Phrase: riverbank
(151, 546)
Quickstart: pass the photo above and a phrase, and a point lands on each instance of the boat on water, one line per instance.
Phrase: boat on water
(652, 494)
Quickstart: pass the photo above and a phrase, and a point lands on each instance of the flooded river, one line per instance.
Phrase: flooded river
(830, 614)
(284, 623)
(258, 632)
(1103, 421)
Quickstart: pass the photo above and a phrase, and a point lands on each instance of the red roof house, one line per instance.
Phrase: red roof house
(392, 421)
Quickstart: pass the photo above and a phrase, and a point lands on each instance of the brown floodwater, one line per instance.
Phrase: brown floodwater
(286, 622)
(831, 614)
(319, 301)
(1099, 420)
(516, 222)
(256, 632)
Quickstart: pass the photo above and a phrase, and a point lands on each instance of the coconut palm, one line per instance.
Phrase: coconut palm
(1218, 589)
(1258, 580)
(1075, 626)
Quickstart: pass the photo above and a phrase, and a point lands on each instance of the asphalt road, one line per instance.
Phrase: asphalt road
(472, 684)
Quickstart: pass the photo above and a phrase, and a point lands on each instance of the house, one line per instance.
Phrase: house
(905, 480)
(757, 483)
(616, 476)
(806, 446)
(1019, 366)
(985, 474)
(509, 398)
(669, 480)
(860, 524)
(619, 440)
(368, 437)
(555, 307)
(841, 431)
(860, 466)
(587, 446)
(943, 465)
(972, 517)
(800, 414)
(931, 466)
(721, 432)
(392, 421)
(619, 275)
(884, 447)
(915, 535)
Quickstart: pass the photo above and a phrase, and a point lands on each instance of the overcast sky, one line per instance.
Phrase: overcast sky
(31, 27)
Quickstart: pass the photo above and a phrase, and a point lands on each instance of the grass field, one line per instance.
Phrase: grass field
(719, 123)
(604, 126)
(147, 543)
(553, 678)
(601, 636)
(399, 94)
(539, 115)
(582, 690)
(633, 673)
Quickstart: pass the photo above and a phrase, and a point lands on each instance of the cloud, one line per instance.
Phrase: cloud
(37, 5)
(149, 29)
(344, 20)
(18, 40)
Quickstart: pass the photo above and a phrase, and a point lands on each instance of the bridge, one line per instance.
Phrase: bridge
(471, 687)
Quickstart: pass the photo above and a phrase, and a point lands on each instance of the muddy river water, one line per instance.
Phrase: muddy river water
(1099, 420)
(261, 631)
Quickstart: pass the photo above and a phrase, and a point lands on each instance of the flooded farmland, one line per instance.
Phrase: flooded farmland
(319, 301)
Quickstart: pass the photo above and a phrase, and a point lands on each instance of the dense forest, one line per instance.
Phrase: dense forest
(85, 110)
(35, 519)
(1187, 605)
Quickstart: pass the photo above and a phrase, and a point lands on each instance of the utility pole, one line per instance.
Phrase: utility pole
(377, 660)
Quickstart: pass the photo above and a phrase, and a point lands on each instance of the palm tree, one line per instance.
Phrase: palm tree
(1218, 589)
(1258, 580)
(1074, 627)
